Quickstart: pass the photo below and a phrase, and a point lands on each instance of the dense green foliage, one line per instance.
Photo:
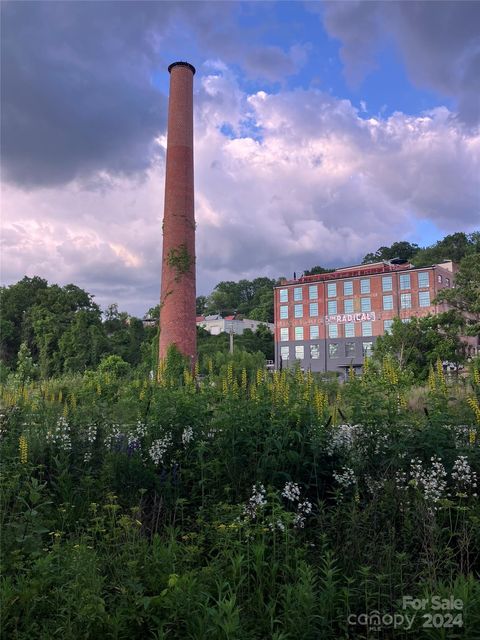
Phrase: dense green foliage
(242, 506)
(250, 341)
(418, 344)
(403, 250)
(61, 329)
(465, 296)
(453, 247)
(251, 299)
(50, 330)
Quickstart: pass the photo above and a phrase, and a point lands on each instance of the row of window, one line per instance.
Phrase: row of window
(334, 330)
(365, 305)
(387, 285)
(334, 351)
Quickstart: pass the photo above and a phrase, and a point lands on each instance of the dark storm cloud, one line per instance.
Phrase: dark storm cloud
(439, 42)
(76, 90)
(78, 96)
(77, 87)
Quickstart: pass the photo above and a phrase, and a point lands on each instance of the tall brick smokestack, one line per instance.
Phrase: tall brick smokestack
(177, 299)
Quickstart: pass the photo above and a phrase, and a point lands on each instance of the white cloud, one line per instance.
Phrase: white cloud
(316, 184)
(437, 40)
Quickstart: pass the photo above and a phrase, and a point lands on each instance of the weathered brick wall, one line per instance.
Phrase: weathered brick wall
(177, 300)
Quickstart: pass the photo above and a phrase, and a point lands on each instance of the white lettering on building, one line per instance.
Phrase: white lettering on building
(350, 317)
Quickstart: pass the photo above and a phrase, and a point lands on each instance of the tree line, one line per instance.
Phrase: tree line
(62, 329)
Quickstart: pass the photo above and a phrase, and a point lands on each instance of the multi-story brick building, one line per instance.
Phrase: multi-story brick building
(330, 321)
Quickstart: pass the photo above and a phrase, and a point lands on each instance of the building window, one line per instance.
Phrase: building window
(333, 331)
(333, 350)
(314, 332)
(314, 351)
(331, 289)
(423, 279)
(424, 298)
(387, 303)
(366, 304)
(405, 301)
(365, 286)
(366, 328)
(348, 306)
(283, 295)
(387, 326)
(350, 349)
(284, 353)
(298, 311)
(348, 288)
(313, 292)
(332, 307)
(284, 334)
(405, 281)
(406, 320)
(447, 281)
(439, 279)
(367, 349)
(297, 293)
(313, 309)
(387, 283)
(283, 312)
(298, 333)
(349, 330)
(299, 352)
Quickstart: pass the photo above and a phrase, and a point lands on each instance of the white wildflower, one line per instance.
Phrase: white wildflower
(60, 435)
(343, 437)
(291, 492)
(431, 482)
(140, 430)
(464, 478)
(187, 435)
(91, 434)
(159, 448)
(345, 478)
(257, 501)
(299, 520)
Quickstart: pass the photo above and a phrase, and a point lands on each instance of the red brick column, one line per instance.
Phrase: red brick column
(177, 299)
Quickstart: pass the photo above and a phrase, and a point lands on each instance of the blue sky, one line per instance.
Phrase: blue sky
(322, 131)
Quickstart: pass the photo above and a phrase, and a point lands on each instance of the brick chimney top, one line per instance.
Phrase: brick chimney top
(181, 63)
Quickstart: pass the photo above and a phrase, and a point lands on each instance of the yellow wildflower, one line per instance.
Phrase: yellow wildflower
(473, 404)
(244, 379)
(23, 449)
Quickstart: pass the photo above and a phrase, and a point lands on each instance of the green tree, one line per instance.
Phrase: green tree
(244, 297)
(403, 250)
(15, 303)
(465, 296)
(201, 305)
(453, 247)
(419, 343)
(56, 310)
(126, 334)
(83, 343)
(114, 366)
(26, 369)
(316, 270)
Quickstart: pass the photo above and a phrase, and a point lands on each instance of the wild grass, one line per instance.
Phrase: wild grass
(242, 505)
